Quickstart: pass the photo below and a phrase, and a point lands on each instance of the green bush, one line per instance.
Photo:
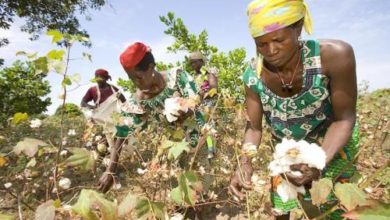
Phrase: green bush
(71, 110)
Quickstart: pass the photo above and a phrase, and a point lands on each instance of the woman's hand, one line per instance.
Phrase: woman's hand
(106, 181)
(238, 181)
(308, 174)
(182, 116)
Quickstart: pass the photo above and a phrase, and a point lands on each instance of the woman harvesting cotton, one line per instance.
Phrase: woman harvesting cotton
(306, 90)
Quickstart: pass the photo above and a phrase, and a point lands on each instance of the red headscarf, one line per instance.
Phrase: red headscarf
(133, 55)
(102, 73)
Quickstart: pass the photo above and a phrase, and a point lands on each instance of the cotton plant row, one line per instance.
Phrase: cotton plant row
(290, 152)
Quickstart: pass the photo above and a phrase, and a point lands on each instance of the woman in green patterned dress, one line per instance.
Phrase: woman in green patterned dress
(147, 105)
(306, 90)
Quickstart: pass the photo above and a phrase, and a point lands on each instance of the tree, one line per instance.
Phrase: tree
(46, 14)
(21, 90)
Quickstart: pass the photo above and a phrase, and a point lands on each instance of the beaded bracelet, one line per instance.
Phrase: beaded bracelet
(249, 149)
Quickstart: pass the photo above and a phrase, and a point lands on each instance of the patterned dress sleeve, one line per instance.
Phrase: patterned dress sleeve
(188, 89)
(186, 85)
(130, 118)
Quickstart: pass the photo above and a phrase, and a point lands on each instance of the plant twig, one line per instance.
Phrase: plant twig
(16, 197)
(61, 124)
(19, 207)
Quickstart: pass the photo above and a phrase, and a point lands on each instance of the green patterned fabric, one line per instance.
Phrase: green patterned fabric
(306, 115)
(138, 112)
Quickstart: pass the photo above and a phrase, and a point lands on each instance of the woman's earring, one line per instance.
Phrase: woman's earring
(300, 42)
(153, 75)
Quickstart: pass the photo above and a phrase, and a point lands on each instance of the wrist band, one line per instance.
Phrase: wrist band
(249, 149)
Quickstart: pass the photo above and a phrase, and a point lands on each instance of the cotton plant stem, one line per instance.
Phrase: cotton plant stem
(21, 200)
(202, 140)
(62, 125)
(367, 182)
(248, 210)
(19, 207)
(323, 215)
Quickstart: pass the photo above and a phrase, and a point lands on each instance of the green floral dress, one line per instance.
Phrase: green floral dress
(306, 115)
(136, 113)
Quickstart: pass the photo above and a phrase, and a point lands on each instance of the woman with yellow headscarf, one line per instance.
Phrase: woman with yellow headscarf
(306, 90)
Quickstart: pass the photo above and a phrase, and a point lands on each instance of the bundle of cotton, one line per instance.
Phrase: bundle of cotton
(290, 152)
(173, 105)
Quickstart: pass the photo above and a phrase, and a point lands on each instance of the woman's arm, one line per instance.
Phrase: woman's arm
(338, 63)
(253, 132)
(213, 80)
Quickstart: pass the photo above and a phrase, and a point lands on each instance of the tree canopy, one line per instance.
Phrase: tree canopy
(22, 90)
(40, 15)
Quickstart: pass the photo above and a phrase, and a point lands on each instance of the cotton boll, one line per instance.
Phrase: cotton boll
(288, 191)
(36, 123)
(314, 156)
(171, 108)
(64, 183)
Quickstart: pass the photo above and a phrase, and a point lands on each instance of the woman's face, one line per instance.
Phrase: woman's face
(196, 64)
(142, 78)
(278, 47)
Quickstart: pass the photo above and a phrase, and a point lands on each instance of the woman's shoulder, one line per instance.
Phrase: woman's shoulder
(331, 48)
(334, 54)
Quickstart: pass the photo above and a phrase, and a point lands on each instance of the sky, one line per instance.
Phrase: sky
(365, 24)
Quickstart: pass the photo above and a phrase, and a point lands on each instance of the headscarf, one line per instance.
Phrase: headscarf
(102, 73)
(196, 56)
(133, 55)
(266, 16)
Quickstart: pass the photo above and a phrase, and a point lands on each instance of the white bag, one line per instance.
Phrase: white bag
(103, 113)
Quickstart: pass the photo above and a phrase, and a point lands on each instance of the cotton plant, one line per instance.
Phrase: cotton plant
(290, 152)
(173, 105)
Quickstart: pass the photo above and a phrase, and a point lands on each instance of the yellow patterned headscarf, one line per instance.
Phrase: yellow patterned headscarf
(266, 16)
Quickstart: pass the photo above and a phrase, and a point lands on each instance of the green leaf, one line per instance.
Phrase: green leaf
(87, 201)
(6, 217)
(159, 210)
(87, 56)
(21, 53)
(187, 191)
(377, 211)
(45, 211)
(142, 208)
(32, 162)
(19, 117)
(176, 195)
(57, 66)
(56, 35)
(41, 65)
(146, 209)
(81, 157)
(29, 146)
(127, 205)
(56, 54)
(350, 195)
(75, 78)
(320, 191)
(66, 82)
(177, 149)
